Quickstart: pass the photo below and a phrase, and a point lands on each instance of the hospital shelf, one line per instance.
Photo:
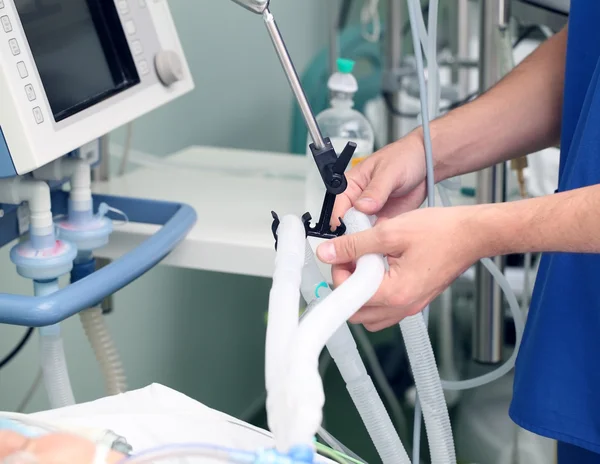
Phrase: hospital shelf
(233, 191)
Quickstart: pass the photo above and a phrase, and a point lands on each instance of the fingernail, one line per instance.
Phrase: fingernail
(366, 202)
(326, 252)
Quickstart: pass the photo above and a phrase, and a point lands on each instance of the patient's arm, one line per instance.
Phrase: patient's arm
(52, 449)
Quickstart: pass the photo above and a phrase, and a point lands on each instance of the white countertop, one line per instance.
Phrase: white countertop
(233, 192)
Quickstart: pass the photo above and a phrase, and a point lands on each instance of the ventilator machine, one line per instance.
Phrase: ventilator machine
(72, 71)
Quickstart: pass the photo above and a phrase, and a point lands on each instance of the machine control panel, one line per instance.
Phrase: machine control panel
(71, 71)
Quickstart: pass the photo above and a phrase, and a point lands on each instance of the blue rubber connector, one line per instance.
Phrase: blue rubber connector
(302, 454)
(82, 270)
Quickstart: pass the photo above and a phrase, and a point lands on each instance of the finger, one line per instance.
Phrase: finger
(403, 204)
(11, 442)
(349, 248)
(371, 314)
(379, 326)
(341, 272)
(358, 179)
(377, 192)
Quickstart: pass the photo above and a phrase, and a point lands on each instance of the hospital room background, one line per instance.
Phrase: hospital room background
(202, 333)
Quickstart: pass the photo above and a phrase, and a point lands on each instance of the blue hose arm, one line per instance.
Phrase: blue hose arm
(176, 219)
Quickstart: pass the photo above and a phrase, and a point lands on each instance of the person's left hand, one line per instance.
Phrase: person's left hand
(427, 250)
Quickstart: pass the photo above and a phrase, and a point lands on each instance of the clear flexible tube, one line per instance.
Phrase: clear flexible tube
(429, 386)
(417, 25)
(54, 368)
(336, 445)
(381, 381)
(344, 352)
(489, 264)
(212, 452)
(107, 355)
(52, 356)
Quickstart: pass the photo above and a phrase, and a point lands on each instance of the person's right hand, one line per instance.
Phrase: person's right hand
(388, 183)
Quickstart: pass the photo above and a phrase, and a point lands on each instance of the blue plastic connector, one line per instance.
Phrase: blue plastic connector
(302, 454)
(176, 218)
(82, 270)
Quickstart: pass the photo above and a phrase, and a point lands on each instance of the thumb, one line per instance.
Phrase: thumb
(376, 194)
(349, 248)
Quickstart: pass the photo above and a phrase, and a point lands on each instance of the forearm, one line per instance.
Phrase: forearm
(519, 116)
(564, 222)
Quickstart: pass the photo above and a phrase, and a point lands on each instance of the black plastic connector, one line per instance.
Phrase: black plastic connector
(332, 168)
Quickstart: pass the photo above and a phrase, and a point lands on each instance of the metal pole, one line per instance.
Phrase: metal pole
(393, 63)
(489, 316)
(290, 72)
(334, 45)
(463, 52)
(101, 173)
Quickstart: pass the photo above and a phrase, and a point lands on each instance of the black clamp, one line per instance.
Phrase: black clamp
(332, 168)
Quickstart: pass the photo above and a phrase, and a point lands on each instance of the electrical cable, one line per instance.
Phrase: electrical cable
(18, 348)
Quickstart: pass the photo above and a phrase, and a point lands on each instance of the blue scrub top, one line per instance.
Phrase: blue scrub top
(557, 379)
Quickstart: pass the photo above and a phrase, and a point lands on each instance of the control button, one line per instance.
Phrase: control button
(6, 25)
(30, 92)
(143, 66)
(168, 67)
(14, 47)
(1, 4)
(37, 114)
(130, 27)
(22, 69)
(136, 47)
(123, 7)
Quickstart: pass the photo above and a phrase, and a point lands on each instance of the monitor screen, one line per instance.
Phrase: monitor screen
(80, 51)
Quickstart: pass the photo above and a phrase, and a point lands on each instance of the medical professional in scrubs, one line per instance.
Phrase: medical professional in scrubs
(552, 98)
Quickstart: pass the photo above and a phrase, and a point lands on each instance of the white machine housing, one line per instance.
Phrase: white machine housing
(56, 93)
(559, 6)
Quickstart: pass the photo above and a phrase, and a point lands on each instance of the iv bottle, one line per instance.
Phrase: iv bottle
(342, 124)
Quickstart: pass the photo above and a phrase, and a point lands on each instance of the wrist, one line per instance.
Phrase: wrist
(498, 229)
(440, 150)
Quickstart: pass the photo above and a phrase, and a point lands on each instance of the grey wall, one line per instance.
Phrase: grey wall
(242, 98)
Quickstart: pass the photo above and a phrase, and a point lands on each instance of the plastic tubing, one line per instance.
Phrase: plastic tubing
(336, 445)
(344, 352)
(210, 452)
(304, 387)
(96, 330)
(283, 320)
(429, 387)
(489, 264)
(52, 353)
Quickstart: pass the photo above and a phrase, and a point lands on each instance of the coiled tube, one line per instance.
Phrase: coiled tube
(107, 355)
(344, 352)
(54, 368)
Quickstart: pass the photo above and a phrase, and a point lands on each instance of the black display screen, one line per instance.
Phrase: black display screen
(80, 50)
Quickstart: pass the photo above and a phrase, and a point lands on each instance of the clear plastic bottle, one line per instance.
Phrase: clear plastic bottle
(342, 124)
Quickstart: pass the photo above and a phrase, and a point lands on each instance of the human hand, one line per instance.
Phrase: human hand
(387, 183)
(426, 250)
(50, 449)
